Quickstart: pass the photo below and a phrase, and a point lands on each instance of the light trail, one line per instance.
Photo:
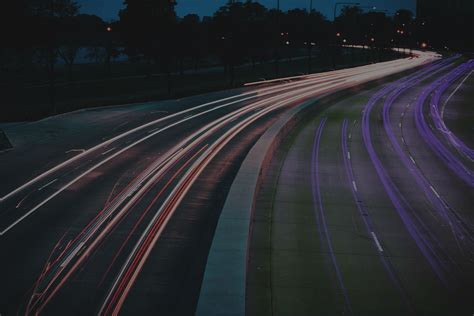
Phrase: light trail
(207, 131)
(454, 92)
(89, 239)
(458, 226)
(323, 230)
(437, 117)
(368, 223)
(129, 272)
(356, 76)
(450, 160)
(390, 68)
(421, 241)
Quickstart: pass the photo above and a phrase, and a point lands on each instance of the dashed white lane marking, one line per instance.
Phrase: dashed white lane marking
(412, 160)
(348, 155)
(75, 150)
(106, 152)
(350, 135)
(400, 124)
(354, 185)
(379, 246)
(435, 192)
(403, 140)
(154, 130)
(48, 184)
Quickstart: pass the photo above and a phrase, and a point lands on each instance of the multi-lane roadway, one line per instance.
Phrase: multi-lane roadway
(107, 214)
(368, 210)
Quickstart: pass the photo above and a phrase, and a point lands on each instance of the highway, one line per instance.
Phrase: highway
(367, 208)
(122, 221)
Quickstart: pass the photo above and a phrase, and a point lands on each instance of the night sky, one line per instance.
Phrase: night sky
(108, 9)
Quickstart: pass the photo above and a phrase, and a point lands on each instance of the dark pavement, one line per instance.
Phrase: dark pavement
(124, 221)
(327, 238)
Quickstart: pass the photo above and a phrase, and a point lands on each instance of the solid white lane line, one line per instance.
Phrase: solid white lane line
(454, 92)
(379, 246)
(47, 185)
(75, 150)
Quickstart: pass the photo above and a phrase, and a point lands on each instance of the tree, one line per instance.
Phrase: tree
(316, 33)
(256, 28)
(350, 16)
(50, 16)
(190, 40)
(148, 28)
(229, 24)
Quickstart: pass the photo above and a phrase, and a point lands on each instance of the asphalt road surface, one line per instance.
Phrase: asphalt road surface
(367, 209)
(112, 211)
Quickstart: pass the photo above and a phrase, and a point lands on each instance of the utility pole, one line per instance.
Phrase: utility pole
(310, 42)
(277, 50)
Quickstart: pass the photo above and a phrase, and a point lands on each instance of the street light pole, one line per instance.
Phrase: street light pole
(309, 39)
(277, 50)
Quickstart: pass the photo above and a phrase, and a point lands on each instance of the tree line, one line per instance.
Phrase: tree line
(45, 31)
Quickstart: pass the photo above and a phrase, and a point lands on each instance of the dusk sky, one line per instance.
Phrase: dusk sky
(108, 9)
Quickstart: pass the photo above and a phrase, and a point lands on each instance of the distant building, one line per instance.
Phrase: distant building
(447, 23)
(431, 8)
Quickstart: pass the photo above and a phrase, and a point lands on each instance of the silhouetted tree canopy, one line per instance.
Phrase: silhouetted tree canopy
(148, 27)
